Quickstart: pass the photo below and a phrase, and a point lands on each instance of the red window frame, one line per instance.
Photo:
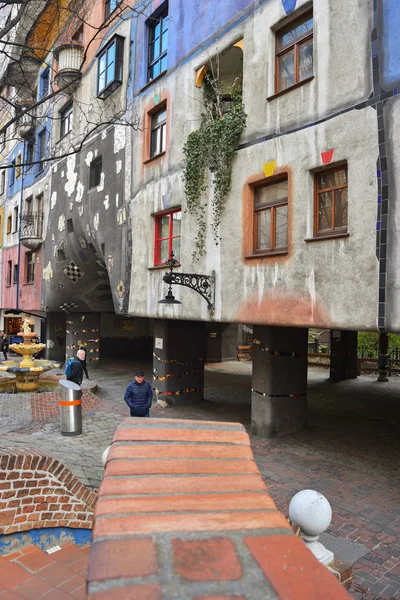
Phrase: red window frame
(158, 239)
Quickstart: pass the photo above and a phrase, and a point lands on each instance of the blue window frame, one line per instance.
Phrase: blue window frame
(44, 83)
(11, 178)
(110, 67)
(110, 6)
(158, 44)
(41, 149)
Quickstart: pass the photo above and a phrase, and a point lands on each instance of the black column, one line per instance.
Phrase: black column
(178, 361)
(343, 355)
(279, 384)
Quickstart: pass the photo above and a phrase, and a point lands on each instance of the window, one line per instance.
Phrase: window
(158, 132)
(30, 149)
(9, 272)
(15, 219)
(28, 206)
(168, 236)
(331, 201)
(110, 63)
(294, 53)
(78, 35)
(66, 120)
(42, 149)
(15, 274)
(18, 165)
(95, 172)
(12, 173)
(44, 83)
(2, 182)
(110, 6)
(2, 141)
(271, 218)
(9, 224)
(30, 267)
(158, 45)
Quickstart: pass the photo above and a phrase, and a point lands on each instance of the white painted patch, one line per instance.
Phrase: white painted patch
(90, 108)
(55, 251)
(312, 290)
(55, 168)
(89, 233)
(72, 176)
(80, 210)
(46, 187)
(107, 203)
(54, 548)
(50, 344)
(61, 223)
(80, 188)
(96, 220)
(53, 239)
(62, 174)
(119, 138)
(48, 272)
(53, 200)
(117, 200)
(89, 158)
(104, 134)
(96, 152)
(100, 187)
(119, 165)
(71, 205)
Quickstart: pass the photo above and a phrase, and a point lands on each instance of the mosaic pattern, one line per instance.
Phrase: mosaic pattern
(73, 272)
(68, 306)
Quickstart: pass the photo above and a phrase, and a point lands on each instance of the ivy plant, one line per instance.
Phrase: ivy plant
(211, 149)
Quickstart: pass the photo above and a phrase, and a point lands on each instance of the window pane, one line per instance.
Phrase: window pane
(324, 211)
(176, 248)
(102, 63)
(163, 144)
(163, 229)
(271, 193)
(281, 234)
(306, 60)
(163, 64)
(111, 54)
(296, 32)
(102, 81)
(264, 230)
(159, 117)
(176, 223)
(286, 70)
(332, 179)
(165, 24)
(164, 41)
(164, 251)
(153, 143)
(341, 208)
(110, 73)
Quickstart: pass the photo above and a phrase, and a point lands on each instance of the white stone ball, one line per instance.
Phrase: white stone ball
(104, 456)
(311, 511)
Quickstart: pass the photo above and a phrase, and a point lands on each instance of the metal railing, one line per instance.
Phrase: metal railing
(32, 225)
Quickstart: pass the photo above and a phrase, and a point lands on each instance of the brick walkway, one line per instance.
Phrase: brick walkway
(349, 452)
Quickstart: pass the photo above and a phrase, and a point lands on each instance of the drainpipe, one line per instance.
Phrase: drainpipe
(21, 195)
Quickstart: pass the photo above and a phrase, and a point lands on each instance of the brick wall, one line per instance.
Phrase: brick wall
(183, 512)
(39, 491)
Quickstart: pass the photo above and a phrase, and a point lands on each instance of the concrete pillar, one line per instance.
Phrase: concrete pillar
(343, 355)
(55, 336)
(84, 328)
(178, 362)
(279, 385)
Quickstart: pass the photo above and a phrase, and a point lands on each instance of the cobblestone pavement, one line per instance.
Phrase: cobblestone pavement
(349, 452)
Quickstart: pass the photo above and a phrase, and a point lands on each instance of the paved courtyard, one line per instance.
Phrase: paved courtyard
(349, 452)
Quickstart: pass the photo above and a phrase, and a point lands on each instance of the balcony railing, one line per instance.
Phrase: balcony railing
(32, 229)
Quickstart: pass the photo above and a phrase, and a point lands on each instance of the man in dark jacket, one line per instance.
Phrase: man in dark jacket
(76, 371)
(139, 396)
(4, 344)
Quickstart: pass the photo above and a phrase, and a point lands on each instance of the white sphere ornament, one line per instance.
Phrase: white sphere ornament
(312, 512)
(104, 456)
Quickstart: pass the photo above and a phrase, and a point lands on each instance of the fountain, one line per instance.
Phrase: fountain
(27, 371)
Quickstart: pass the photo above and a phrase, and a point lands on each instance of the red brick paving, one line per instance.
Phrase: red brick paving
(31, 574)
(45, 405)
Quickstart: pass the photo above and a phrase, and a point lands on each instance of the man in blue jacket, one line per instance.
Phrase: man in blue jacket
(139, 396)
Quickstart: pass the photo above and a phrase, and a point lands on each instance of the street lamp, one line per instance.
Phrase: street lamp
(202, 284)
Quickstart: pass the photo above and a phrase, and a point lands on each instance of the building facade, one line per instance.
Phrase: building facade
(308, 233)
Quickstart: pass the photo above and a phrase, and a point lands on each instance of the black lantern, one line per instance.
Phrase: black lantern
(202, 284)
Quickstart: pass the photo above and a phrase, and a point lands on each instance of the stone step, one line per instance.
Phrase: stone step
(32, 573)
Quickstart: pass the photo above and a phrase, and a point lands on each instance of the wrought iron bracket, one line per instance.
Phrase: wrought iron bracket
(202, 284)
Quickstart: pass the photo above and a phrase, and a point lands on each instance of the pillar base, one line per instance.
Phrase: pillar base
(272, 417)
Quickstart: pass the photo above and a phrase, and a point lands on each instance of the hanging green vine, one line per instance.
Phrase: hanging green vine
(212, 148)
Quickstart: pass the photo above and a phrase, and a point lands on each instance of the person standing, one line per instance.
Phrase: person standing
(81, 347)
(139, 396)
(4, 344)
(76, 368)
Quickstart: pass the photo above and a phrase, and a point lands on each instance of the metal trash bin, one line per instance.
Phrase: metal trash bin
(70, 395)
